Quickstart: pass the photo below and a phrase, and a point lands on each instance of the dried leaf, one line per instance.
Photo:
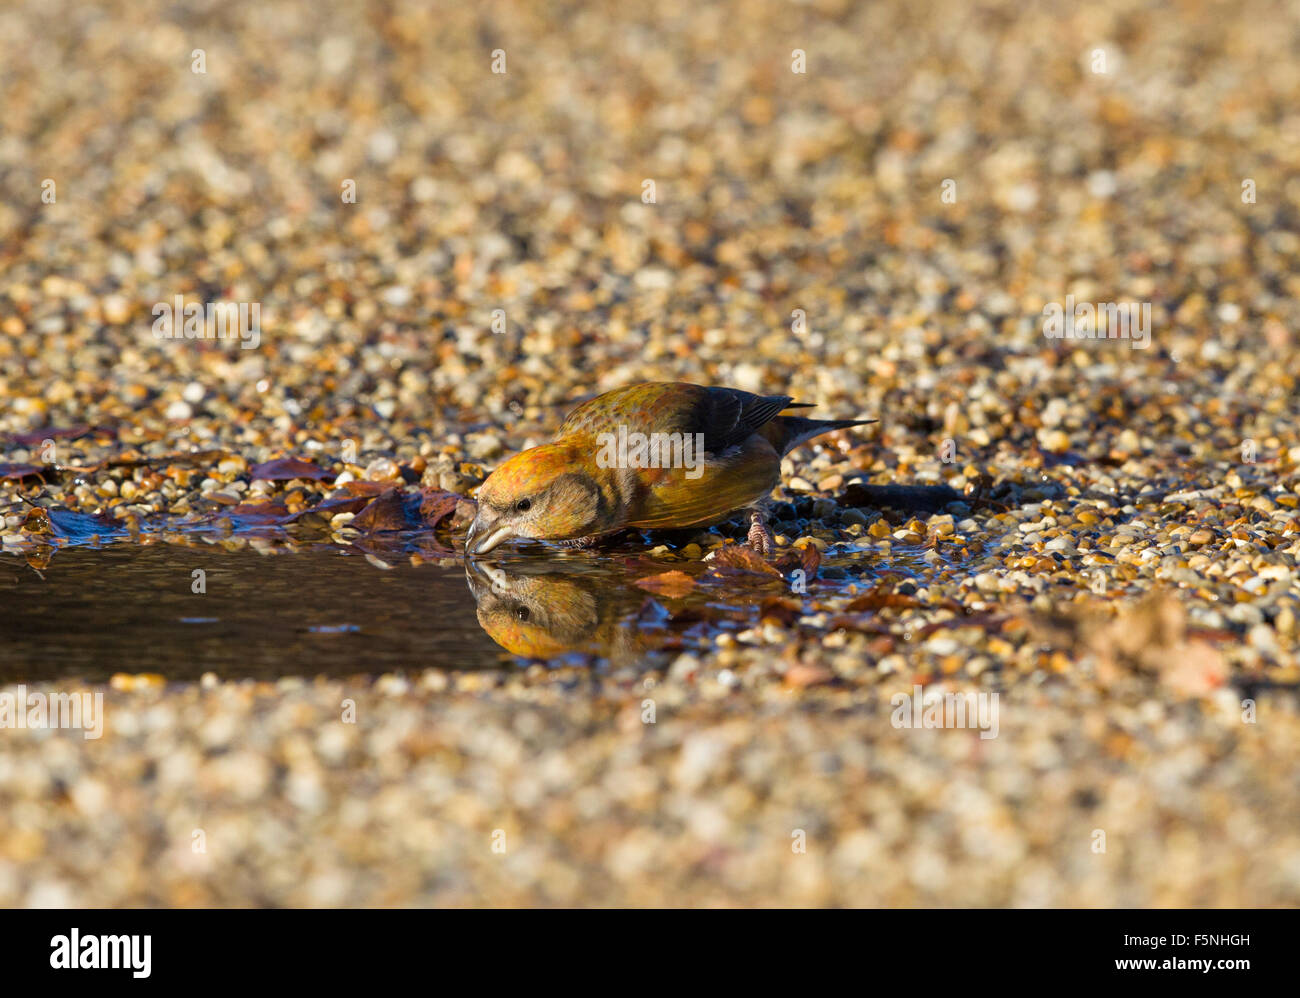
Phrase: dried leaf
(32, 438)
(675, 584)
(802, 676)
(1196, 669)
(742, 559)
(21, 471)
(780, 609)
(436, 505)
(880, 599)
(1146, 638)
(361, 488)
(806, 559)
(327, 509)
(386, 512)
(286, 468)
(256, 514)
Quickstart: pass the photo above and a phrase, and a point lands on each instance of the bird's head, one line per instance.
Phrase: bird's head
(545, 493)
(536, 616)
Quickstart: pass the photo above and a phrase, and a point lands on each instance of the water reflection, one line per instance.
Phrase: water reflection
(274, 606)
(538, 613)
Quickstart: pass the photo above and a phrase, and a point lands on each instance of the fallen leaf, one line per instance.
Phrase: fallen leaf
(437, 505)
(256, 514)
(30, 438)
(806, 559)
(1194, 669)
(802, 676)
(21, 471)
(881, 599)
(286, 468)
(742, 559)
(385, 512)
(675, 584)
(1146, 638)
(781, 609)
(360, 487)
(327, 509)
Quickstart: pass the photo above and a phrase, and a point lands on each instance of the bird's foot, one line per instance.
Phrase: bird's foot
(760, 537)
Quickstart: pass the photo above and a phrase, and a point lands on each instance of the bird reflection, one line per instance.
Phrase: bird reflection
(538, 614)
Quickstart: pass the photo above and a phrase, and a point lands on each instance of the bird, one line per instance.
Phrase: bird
(606, 470)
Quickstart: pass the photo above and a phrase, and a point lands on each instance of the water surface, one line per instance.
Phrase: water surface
(280, 609)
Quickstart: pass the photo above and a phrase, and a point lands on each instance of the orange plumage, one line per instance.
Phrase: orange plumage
(655, 455)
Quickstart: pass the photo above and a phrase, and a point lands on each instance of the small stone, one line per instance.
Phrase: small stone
(824, 509)
(383, 469)
(1056, 441)
(485, 445)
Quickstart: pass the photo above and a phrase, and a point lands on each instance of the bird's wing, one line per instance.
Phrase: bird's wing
(724, 484)
(725, 416)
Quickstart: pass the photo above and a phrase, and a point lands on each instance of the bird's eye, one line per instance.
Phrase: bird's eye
(522, 613)
(523, 505)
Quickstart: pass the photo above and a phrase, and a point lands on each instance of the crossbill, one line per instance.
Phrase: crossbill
(658, 455)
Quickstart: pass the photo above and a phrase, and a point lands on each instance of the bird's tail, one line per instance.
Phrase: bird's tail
(795, 430)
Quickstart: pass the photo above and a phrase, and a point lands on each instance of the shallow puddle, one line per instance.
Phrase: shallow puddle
(240, 610)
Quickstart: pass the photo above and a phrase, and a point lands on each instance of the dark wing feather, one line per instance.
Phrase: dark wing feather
(726, 416)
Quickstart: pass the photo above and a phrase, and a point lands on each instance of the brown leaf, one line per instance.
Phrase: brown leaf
(802, 676)
(327, 509)
(361, 488)
(742, 559)
(879, 599)
(1146, 638)
(31, 438)
(436, 505)
(782, 609)
(21, 471)
(675, 584)
(386, 512)
(286, 468)
(806, 559)
(255, 514)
